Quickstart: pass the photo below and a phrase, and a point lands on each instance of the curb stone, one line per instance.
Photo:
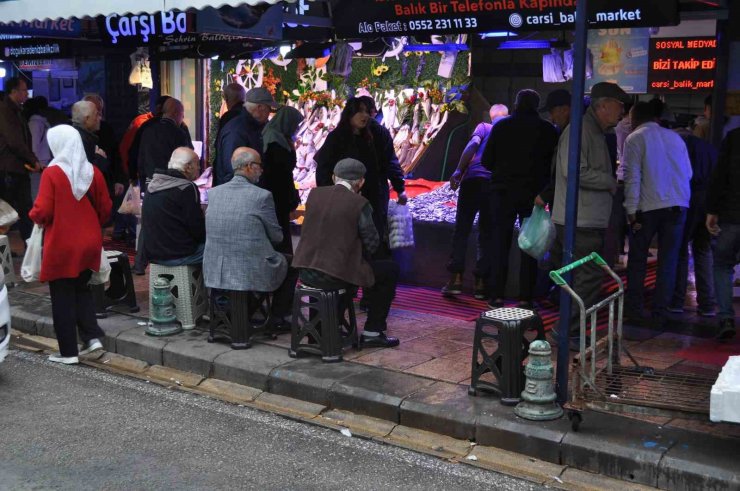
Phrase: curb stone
(228, 391)
(287, 406)
(427, 442)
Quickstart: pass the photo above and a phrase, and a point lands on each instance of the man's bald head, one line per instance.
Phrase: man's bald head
(247, 162)
(185, 160)
(174, 110)
(234, 95)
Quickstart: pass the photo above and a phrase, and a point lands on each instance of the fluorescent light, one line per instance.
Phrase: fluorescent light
(2, 72)
(436, 47)
(497, 34)
(525, 45)
(214, 57)
(285, 49)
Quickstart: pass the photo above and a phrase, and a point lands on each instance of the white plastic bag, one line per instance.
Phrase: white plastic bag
(537, 233)
(31, 267)
(8, 215)
(400, 226)
(131, 204)
(101, 276)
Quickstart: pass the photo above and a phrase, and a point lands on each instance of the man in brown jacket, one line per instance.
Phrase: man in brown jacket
(337, 239)
(16, 157)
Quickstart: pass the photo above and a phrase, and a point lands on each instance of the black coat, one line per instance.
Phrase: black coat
(277, 178)
(172, 221)
(158, 140)
(724, 191)
(519, 154)
(241, 131)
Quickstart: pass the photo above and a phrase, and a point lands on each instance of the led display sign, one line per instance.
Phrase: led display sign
(140, 28)
(682, 64)
(406, 17)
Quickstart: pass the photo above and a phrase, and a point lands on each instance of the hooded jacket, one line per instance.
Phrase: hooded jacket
(172, 219)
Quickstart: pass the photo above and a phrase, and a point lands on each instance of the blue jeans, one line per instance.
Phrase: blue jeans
(194, 258)
(668, 223)
(696, 235)
(726, 256)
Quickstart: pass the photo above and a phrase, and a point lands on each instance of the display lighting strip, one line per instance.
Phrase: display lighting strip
(436, 47)
(525, 45)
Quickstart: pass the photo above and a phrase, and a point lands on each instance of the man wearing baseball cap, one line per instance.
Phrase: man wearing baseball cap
(337, 238)
(597, 185)
(244, 130)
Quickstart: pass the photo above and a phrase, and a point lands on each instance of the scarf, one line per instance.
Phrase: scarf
(68, 153)
(281, 128)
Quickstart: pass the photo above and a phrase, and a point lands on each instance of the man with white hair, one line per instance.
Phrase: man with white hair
(234, 95)
(473, 181)
(245, 130)
(173, 224)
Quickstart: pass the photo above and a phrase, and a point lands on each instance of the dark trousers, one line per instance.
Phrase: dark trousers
(668, 224)
(696, 235)
(141, 261)
(72, 307)
(474, 198)
(16, 190)
(726, 256)
(379, 296)
(588, 279)
(617, 231)
(505, 207)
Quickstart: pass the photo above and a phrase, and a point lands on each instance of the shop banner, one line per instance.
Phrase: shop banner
(144, 28)
(682, 64)
(379, 18)
(61, 28)
(621, 57)
(243, 21)
(36, 49)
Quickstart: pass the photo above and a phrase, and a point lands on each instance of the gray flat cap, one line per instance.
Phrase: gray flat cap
(260, 95)
(349, 169)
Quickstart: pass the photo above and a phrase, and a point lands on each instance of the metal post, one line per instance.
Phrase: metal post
(571, 202)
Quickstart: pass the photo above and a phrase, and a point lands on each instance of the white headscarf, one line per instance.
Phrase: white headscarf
(68, 153)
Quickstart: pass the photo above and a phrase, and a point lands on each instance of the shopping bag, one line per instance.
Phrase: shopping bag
(400, 226)
(8, 215)
(131, 204)
(31, 267)
(537, 233)
(101, 276)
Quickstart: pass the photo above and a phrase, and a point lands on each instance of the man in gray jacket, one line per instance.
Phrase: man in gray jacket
(597, 185)
(242, 230)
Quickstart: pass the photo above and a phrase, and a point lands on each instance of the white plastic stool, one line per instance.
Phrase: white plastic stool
(7, 260)
(186, 285)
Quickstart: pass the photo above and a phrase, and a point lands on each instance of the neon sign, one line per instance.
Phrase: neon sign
(682, 64)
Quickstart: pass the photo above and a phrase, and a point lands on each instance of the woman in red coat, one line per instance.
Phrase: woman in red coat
(72, 204)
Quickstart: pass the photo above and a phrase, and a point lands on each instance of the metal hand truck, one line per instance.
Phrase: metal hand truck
(600, 381)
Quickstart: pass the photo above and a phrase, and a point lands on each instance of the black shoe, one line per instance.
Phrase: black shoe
(496, 304)
(279, 326)
(380, 341)
(454, 286)
(726, 329)
(480, 292)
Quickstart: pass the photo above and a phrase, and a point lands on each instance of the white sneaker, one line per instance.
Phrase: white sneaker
(67, 360)
(92, 345)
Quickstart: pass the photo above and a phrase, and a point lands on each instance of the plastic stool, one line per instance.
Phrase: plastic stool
(186, 284)
(7, 261)
(506, 363)
(232, 317)
(121, 288)
(327, 319)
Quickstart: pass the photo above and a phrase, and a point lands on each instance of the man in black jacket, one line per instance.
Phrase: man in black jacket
(519, 155)
(160, 139)
(723, 221)
(173, 223)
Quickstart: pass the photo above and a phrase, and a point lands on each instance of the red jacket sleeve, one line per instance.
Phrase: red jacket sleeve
(99, 192)
(42, 212)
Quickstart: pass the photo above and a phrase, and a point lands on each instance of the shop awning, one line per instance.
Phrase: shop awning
(32, 10)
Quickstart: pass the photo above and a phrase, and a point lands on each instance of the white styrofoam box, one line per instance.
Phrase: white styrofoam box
(724, 402)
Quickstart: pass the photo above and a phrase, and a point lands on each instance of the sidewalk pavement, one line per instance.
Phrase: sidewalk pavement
(624, 448)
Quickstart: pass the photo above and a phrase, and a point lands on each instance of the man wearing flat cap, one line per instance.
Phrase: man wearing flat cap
(597, 185)
(244, 130)
(337, 240)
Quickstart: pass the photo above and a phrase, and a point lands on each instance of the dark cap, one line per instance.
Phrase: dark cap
(607, 89)
(559, 97)
(260, 95)
(349, 169)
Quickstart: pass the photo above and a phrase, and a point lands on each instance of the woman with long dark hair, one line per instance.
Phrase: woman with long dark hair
(360, 137)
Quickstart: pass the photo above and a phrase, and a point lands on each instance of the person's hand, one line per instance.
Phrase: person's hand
(119, 188)
(294, 214)
(538, 201)
(402, 198)
(35, 167)
(712, 224)
(455, 180)
(634, 224)
(101, 152)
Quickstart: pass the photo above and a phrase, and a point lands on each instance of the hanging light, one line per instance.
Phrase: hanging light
(285, 49)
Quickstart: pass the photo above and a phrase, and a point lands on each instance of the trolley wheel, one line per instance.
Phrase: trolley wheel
(472, 391)
(575, 419)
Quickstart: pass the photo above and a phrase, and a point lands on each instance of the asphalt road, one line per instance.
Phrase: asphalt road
(64, 427)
